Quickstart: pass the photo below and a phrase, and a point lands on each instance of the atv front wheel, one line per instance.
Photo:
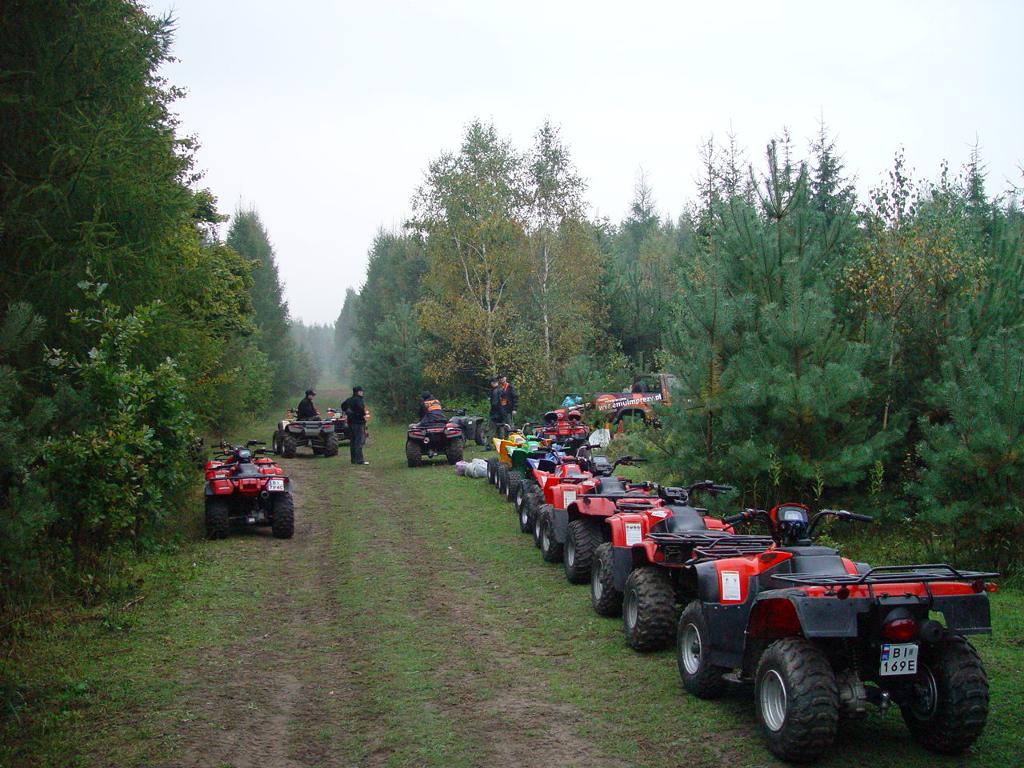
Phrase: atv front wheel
(692, 646)
(492, 470)
(950, 703)
(283, 510)
(454, 451)
(331, 446)
(527, 513)
(502, 478)
(581, 541)
(289, 445)
(550, 549)
(649, 614)
(479, 437)
(605, 599)
(797, 699)
(218, 520)
(413, 453)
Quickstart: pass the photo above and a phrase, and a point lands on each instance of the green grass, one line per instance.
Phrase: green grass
(424, 630)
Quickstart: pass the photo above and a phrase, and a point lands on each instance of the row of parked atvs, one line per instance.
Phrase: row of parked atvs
(819, 636)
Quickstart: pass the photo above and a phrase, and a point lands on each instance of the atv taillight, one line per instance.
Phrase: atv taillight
(899, 630)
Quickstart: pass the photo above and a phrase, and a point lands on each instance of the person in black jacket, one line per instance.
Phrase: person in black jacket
(306, 411)
(504, 402)
(355, 409)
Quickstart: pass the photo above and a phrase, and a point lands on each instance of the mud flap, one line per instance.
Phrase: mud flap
(560, 524)
(965, 614)
(622, 566)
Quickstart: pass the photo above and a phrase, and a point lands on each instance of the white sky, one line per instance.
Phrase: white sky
(323, 115)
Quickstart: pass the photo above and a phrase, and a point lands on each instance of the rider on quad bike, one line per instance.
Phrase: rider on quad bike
(433, 434)
(821, 636)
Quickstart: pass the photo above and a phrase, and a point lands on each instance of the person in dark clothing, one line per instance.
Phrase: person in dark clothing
(306, 410)
(355, 409)
(504, 402)
(431, 411)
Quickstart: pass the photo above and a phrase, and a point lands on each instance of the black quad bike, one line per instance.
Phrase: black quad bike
(425, 441)
(318, 434)
(472, 426)
(244, 486)
(821, 637)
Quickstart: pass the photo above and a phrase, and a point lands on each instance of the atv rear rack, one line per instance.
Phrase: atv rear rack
(888, 574)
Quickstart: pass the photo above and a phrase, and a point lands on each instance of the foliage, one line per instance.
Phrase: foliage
(391, 367)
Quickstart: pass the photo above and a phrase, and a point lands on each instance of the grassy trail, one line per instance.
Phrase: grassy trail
(408, 623)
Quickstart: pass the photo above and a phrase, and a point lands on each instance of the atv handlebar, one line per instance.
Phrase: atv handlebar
(748, 515)
(627, 460)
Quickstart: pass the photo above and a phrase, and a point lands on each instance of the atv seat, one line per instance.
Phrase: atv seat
(815, 560)
(610, 486)
(683, 519)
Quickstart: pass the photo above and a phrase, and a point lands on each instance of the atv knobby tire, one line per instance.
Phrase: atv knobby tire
(283, 508)
(492, 470)
(605, 599)
(479, 436)
(528, 513)
(797, 700)
(331, 445)
(413, 453)
(649, 614)
(289, 445)
(512, 485)
(454, 450)
(693, 646)
(950, 721)
(550, 548)
(502, 476)
(581, 541)
(218, 520)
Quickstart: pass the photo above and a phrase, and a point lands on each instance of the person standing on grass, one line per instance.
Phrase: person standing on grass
(504, 402)
(355, 409)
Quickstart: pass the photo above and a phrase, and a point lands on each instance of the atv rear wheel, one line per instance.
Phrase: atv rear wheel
(289, 445)
(536, 530)
(950, 704)
(454, 450)
(283, 510)
(502, 478)
(527, 513)
(492, 470)
(692, 647)
(605, 599)
(413, 453)
(479, 436)
(649, 614)
(512, 485)
(550, 549)
(797, 699)
(581, 541)
(218, 520)
(331, 445)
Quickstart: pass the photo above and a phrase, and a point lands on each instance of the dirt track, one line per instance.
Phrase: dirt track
(293, 691)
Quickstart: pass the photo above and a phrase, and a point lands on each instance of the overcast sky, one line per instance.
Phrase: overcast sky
(323, 115)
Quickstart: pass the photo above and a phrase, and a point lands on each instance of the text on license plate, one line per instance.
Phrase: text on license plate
(899, 659)
(275, 484)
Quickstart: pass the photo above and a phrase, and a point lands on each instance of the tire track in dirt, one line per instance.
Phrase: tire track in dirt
(274, 698)
(520, 725)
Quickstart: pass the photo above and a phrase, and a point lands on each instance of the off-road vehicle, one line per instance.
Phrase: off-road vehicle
(244, 486)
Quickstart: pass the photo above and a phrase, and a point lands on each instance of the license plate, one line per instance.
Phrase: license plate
(568, 497)
(275, 484)
(899, 659)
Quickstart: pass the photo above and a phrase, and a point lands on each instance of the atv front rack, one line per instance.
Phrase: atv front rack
(888, 574)
(688, 547)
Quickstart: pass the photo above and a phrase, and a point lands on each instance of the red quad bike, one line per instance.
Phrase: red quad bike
(429, 440)
(821, 636)
(570, 526)
(564, 427)
(247, 488)
(644, 569)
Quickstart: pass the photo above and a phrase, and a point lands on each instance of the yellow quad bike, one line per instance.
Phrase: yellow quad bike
(506, 470)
